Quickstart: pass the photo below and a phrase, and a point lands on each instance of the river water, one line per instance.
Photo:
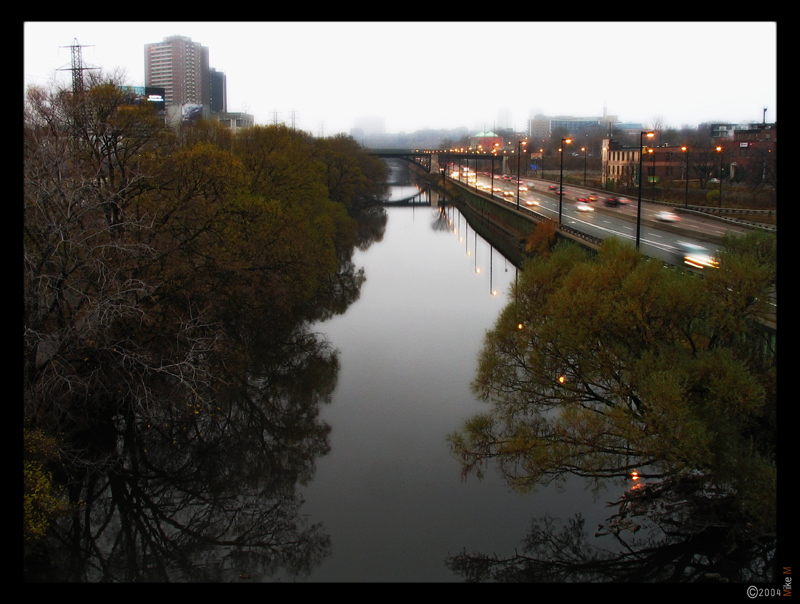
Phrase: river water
(389, 493)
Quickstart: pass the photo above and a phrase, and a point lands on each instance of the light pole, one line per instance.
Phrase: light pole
(561, 177)
(719, 150)
(519, 154)
(639, 204)
(541, 163)
(686, 201)
(584, 165)
(653, 181)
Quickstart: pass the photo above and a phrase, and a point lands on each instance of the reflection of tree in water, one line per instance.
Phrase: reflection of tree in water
(442, 221)
(671, 531)
(209, 496)
(201, 495)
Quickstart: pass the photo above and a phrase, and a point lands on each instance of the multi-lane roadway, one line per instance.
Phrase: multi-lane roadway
(663, 233)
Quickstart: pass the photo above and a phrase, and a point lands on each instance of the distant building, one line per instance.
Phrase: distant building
(180, 67)
(235, 121)
(748, 152)
(540, 127)
(620, 163)
(368, 126)
(486, 140)
(218, 91)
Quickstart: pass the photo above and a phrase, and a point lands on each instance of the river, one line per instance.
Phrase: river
(389, 493)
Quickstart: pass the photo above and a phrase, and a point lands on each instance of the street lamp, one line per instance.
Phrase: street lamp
(639, 205)
(686, 201)
(561, 177)
(541, 163)
(584, 165)
(719, 150)
(519, 154)
(653, 181)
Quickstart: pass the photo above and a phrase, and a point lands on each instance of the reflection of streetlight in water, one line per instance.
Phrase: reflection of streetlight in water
(475, 245)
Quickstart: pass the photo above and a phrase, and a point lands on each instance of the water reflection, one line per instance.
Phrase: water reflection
(389, 493)
(667, 531)
(210, 494)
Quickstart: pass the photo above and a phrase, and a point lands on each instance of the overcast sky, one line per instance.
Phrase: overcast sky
(414, 75)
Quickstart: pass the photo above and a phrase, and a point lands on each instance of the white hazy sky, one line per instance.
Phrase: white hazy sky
(442, 74)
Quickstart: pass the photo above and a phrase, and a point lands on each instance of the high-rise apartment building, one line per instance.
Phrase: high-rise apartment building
(180, 67)
(219, 91)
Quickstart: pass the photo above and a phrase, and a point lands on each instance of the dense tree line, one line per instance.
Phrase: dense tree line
(155, 259)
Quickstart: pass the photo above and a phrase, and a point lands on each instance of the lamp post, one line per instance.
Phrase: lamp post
(541, 163)
(639, 204)
(653, 181)
(719, 150)
(561, 177)
(519, 154)
(686, 151)
(584, 165)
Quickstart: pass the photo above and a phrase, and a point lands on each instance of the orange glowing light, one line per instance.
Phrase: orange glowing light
(635, 475)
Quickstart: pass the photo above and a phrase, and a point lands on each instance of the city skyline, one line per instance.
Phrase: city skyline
(324, 76)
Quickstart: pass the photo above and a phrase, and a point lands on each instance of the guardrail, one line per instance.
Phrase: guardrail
(535, 216)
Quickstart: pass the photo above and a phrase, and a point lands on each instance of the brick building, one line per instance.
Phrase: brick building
(743, 153)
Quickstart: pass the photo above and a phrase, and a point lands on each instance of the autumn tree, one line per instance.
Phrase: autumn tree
(600, 366)
(151, 255)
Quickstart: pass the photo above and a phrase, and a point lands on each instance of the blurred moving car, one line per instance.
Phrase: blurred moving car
(582, 206)
(612, 202)
(696, 256)
(532, 202)
(666, 216)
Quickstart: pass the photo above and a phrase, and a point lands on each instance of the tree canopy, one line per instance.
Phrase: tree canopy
(604, 365)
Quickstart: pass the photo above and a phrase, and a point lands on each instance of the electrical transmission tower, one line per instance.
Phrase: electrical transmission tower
(77, 68)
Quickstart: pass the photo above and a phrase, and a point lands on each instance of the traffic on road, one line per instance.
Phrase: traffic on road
(675, 237)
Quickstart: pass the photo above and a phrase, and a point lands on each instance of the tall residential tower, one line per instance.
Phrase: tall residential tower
(180, 67)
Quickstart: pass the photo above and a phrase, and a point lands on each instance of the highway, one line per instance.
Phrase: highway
(658, 238)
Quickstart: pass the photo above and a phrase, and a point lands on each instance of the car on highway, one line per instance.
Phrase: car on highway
(523, 188)
(583, 198)
(592, 197)
(612, 202)
(582, 206)
(696, 256)
(532, 202)
(667, 216)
